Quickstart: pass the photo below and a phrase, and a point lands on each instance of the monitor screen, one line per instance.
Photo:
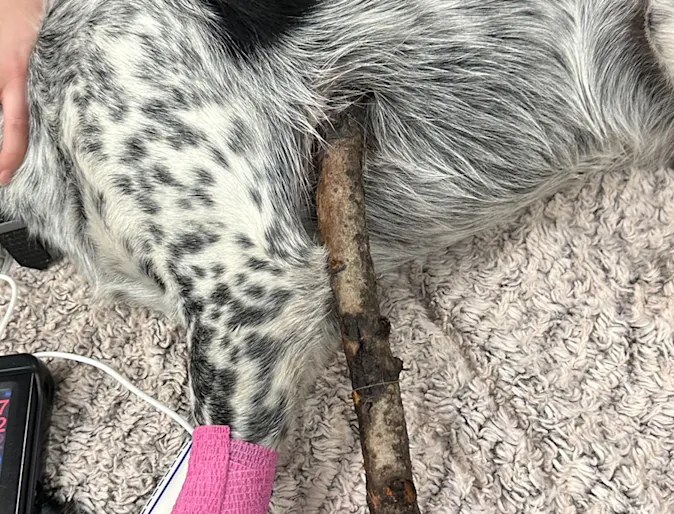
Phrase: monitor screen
(5, 398)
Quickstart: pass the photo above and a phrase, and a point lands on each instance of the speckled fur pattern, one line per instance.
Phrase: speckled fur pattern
(171, 152)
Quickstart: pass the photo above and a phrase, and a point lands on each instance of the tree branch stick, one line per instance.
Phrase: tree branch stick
(365, 333)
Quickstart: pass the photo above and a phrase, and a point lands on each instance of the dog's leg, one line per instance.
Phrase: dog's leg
(260, 326)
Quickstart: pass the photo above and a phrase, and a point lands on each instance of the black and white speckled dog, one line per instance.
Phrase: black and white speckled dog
(171, 140)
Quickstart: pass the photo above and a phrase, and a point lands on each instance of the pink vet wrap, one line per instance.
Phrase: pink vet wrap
(226, 476)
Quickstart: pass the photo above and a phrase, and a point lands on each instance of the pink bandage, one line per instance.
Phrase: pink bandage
(226, 476)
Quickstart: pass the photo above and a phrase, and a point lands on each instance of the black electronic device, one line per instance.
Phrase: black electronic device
(26, 393)
(26, 250)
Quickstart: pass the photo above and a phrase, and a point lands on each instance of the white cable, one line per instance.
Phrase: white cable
(12, 302)
(91, 362)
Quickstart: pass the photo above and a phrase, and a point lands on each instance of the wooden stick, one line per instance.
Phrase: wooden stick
(365, 333)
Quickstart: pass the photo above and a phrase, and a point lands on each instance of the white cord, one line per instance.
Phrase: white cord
(12, 302)
(107, 369)
(91, 362)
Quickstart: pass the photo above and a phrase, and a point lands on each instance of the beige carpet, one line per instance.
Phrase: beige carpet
(539, 372)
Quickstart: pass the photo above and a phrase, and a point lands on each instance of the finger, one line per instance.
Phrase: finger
(15, 128)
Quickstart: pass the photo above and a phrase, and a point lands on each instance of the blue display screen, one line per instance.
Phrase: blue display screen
(5, 400)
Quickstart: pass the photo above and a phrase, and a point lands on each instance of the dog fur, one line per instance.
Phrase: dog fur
(171, 152)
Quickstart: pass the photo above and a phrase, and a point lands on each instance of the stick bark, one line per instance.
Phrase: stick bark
(365, 333)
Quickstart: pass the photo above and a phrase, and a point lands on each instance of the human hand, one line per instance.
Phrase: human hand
(20, 22)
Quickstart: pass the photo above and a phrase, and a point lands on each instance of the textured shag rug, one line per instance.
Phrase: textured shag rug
(539, 372)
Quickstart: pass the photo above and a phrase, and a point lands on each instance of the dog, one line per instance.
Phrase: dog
(172, 141)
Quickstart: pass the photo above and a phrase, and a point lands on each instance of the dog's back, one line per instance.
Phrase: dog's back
(478, 107)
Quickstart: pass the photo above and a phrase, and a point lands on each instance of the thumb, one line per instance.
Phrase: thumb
(15, 127)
